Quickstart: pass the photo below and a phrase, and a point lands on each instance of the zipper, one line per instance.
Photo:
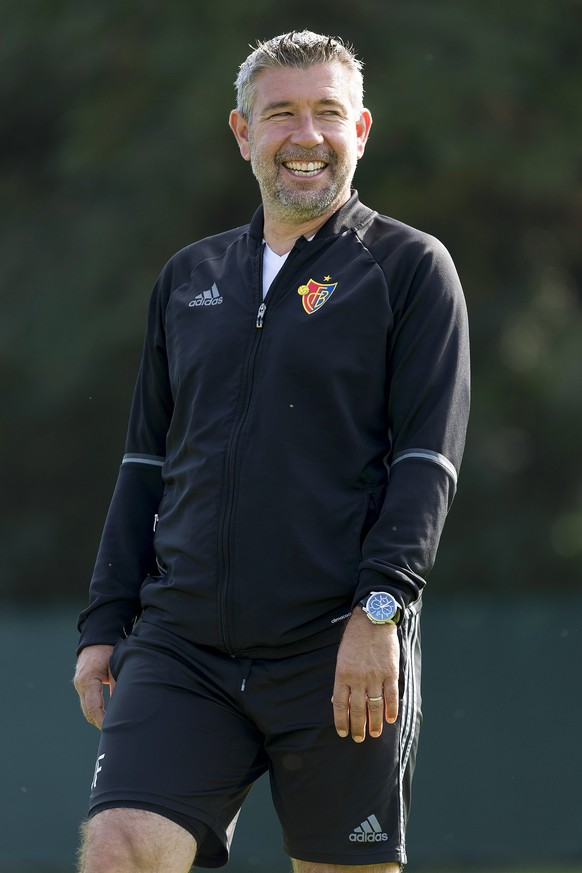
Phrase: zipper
(261, 314)
(231, 478)
(232, 459)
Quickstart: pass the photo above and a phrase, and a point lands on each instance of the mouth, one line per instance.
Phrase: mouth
(304, 169)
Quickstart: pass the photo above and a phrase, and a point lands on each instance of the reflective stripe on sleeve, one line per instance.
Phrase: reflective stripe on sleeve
(154, 460)
(427, 455)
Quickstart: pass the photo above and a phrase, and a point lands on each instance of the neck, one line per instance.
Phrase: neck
(281, 233)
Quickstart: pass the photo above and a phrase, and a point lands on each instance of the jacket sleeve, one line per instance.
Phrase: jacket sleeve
(428, 407)
(126, 553)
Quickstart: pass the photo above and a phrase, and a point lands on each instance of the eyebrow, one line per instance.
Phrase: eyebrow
(284, 104)
(276, 104)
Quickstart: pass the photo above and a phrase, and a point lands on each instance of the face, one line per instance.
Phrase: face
(303, 139)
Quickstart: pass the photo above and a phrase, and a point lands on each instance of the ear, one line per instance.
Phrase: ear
(240, 128)
(363, 125)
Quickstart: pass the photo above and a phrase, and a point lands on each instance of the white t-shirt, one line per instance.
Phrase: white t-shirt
(272, 263)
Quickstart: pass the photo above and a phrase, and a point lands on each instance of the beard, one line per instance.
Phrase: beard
(294, 199)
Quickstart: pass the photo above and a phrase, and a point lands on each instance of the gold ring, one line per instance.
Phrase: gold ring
(375, 699)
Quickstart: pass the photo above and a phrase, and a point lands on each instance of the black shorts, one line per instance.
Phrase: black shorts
(186, 737)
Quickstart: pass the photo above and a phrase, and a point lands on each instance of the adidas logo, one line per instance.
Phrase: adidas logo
(368, 832)
(208, 298)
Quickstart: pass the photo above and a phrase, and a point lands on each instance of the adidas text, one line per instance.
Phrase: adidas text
(212, 297)
(369, 831)
(368, 838)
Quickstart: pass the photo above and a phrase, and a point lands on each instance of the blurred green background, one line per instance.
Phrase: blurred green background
(115, 153)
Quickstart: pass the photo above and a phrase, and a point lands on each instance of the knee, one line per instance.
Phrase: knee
(108, 845)
(313, 867)
(134, 841)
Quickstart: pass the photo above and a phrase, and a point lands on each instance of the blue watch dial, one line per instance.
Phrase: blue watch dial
(381, 606)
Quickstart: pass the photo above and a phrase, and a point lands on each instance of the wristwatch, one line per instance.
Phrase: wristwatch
(381, 608)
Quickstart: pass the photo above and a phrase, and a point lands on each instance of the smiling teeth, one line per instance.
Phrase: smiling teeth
(300, 167)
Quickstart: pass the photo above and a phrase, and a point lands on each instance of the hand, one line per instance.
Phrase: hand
(367, 667)
(91, 675)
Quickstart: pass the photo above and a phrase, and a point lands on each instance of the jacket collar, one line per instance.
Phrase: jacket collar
(351, 216)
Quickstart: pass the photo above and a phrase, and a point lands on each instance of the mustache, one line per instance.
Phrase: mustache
(305, 155)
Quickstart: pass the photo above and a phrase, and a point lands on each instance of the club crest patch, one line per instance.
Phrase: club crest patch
(314, 294)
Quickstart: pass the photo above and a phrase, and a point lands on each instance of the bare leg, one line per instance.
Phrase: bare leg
(312, 867)
(135, 841)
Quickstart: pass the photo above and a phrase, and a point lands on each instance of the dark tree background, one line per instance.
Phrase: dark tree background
(115, 153)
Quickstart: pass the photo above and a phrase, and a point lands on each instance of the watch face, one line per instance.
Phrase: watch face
(381, 606)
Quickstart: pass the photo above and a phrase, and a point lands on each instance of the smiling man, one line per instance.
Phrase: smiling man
(303, 135)
(293, 449)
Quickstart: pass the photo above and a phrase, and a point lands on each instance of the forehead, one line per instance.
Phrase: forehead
(320, 82)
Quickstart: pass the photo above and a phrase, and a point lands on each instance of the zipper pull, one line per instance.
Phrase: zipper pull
(156, 519)
(261, 314)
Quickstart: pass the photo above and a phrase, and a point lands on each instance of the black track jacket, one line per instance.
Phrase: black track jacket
(291, 456)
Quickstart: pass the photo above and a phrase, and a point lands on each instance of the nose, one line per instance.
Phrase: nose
(306, 132)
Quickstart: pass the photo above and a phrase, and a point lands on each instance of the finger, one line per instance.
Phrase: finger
(375, 714)
(391, 701)
(92, 702)
(341, 710)
(358, 715)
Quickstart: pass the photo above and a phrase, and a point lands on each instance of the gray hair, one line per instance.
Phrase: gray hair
(301, 50)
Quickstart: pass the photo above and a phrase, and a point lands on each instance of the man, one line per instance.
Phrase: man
(293, 448)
